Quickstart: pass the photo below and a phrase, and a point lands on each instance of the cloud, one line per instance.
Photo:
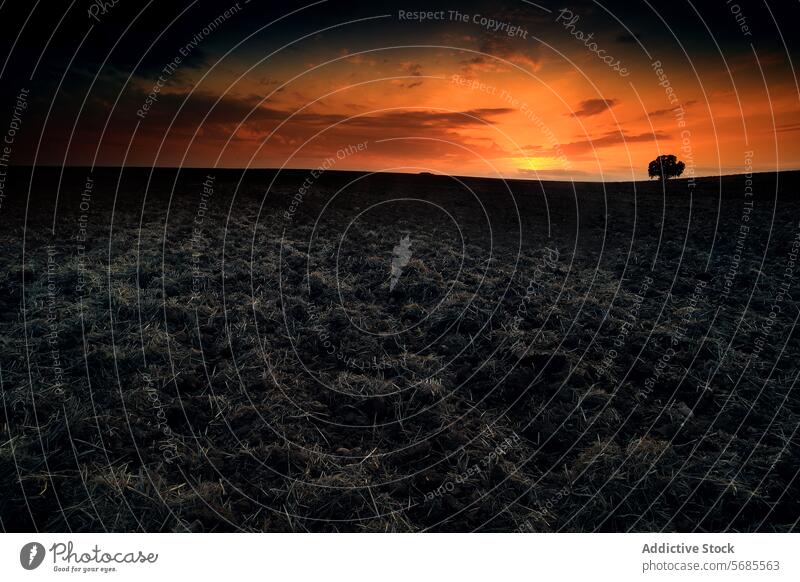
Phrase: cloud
(248, 124)
(412, 69)
(360, 60)
(606, 140)
(591, 107)
(787, 127)
(670, 110)
(500, 49)
(250, 111)
(510, 50)
(611, 139)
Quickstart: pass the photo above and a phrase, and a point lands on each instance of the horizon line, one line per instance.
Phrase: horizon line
(424, 173)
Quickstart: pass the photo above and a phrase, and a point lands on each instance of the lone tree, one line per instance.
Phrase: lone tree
(665, 167)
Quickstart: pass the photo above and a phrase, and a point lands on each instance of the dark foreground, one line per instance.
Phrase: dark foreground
(399, 353)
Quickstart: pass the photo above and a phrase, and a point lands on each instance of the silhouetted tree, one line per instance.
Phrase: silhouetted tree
(665, 167)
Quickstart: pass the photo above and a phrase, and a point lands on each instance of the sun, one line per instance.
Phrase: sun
(535, 164)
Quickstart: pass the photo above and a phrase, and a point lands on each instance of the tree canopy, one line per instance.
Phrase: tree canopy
(666, 166)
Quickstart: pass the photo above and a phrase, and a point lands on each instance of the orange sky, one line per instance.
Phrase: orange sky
(432, 109)
(447, 96)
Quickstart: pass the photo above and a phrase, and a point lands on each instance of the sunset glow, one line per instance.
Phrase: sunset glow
(584, 93)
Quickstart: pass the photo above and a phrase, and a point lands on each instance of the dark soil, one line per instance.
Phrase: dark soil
(552, 357)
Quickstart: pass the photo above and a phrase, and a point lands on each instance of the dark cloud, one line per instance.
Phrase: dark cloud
(611, 139)
(409, 68)
(587, 145)
(513, 50)
(787, 127)
(412, 69)
(591, 107)
(250, 110)
(670, 110)
(178, 117)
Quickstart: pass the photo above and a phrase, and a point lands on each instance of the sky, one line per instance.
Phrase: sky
(581, 90)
